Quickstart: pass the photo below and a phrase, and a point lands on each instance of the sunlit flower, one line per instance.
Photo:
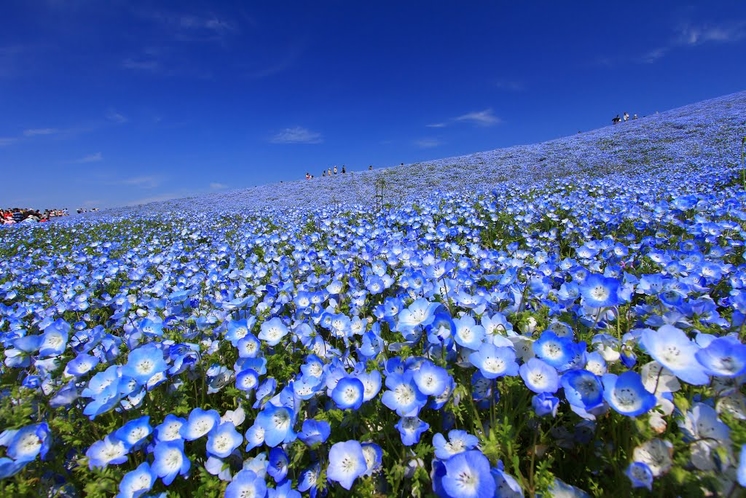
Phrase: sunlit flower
(656, 454)
(346, 463)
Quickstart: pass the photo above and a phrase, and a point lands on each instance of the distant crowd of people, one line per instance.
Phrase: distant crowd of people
(334, 171)
(26, 215)
(625, 117)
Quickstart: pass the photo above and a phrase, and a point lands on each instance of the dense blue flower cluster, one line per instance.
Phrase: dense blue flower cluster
(289, 351)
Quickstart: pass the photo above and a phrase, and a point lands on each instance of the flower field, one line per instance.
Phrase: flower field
(565, 317)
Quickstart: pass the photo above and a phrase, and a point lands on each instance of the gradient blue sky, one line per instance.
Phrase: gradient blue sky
(107, 103)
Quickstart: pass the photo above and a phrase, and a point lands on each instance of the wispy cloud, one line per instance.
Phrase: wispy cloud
(5, 141)
(141, 64)
(427, 143)
(692, 35)
(166, 196)
(116, 117)
(146, 181)
(190, 27)
(40, 131)
(218, 186)
(90, 158)
(480, 118)
(509, 85)
(477, 118)
(688, 35)
(212, 23)
(297, 135)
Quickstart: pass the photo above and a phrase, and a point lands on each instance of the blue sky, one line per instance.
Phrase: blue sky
(109, 103)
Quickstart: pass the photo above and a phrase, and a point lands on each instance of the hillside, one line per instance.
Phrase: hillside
(692, 136)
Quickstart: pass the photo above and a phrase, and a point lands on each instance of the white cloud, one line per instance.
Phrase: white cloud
(167, 196)
(90, 158)
(697, 35)
(509, 85)
(146, 182)
(116, 117)
(436, 125)
(40, 131)
(427, 143)
(297, 135)
(694, 35)
(480, 118)
(4, 141)
(140, 64)
(218, 186)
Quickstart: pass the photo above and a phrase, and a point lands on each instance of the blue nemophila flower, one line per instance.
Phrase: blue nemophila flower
(582, 389)
(29, 442)
(108, 451)
(420, 313)
(170, 460)
(561, 488)
(134, 432)
(247, 380)
(170, 428)
(151, 326)
(483, 390)
(373, 457)
(403, 396)
(545, 404)
(238, 329)
(672, 348)
(144, 363)
(410, 429)
(223, 439)
(306, 387)
(137, 482)
(278, 464)
(314, 432)
(80, 365)
(431, 379)
(441, 329)
(273, 331)
(308, 480)
(346, 463)
(9, 467)
(218, 376)
(467, 475)
(246, 483)
(200, 422)
(19, 356)
(249, 346)
(702, 423)
(468, 334)
(458, 442)
(371, 383)
(283, 490)
(254, 436)
(656, 454)
(599, 291)
(313, 367)
(724, 356)
(348, 393)
(104, 389)
(54, 339)
(559, 352)
(539, 376)
(493, 361)
(507, 486)
(265, 391)
(626, 394)
(277, 422)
